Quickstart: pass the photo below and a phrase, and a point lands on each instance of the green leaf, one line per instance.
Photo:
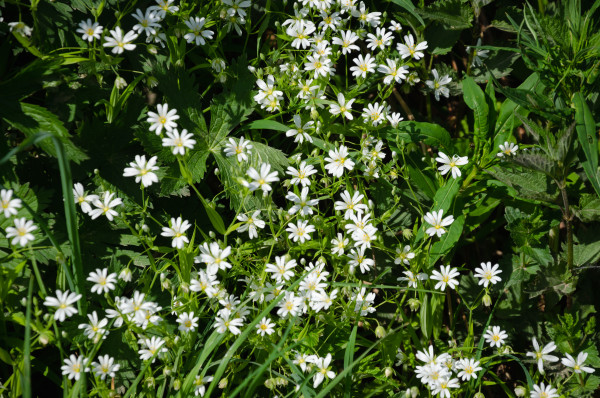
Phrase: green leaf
(409, 6)
(213, 216)
(532, 185)
(454, 14)
(348, 359)
(266, 124)
(429, 133)
(447, 241)
(441, 39)
(476, 100)
(588, 140)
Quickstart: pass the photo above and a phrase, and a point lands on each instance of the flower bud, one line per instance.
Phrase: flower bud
(223, 383)
(217, 171)
(380, 332)
(126, 275)
(120, 83)
(152, 49)
(185, 287)
(487, 300)
(414, 304)
(479, 395)
(151, 81)
(150, 382)
(388, 372)
(212, 234)
(407, 233)
(166, 371)
(303, 261)
(520, 391)
(64, 334)
(176, 384)
(45, 337)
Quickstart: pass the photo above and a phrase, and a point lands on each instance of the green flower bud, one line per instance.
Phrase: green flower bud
(414, 304)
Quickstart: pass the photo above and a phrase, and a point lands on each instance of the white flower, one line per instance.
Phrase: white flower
(300, 232)
(120, 42)
(241, 149)
(468, 368)
(261, 180)
(301, 203)
(409, 49)
(380, 39)
(342, 107)
(206, 283)
(20, 27)
(544, 391)
(508, 149)
(178, 141)
(330, 21)
(392, 71)
(125, 275)
(265, 326)
(451, 164)
(187, 322)
(147, 22)
(300, 132)
(437, 223)
(442, 386)
(289, 305)
(198, 35)
(237, 6)
(541, 354)
(95, 330)
(177, 231)
(320, 65)
(267, 90)
(577, 365)
(74, 366)
(404, 255)
(83, 198)
(339, 244)
(21, 232)
(9, 205)
(301, 360)
(235, 22)
(412, 278)
(214, 257)
(363, 65)
(153, 346)
(363, 303)
(102, 280)
(301, 32)
(395, 26)
(364, 16)
(224, 322)
(394, 119)
(427, 355)
(164, 118)
(281, 270)
(374, 113)
(322, 300)
(347, 41)
(89, 30)
(305, 89)
(338, 160)
(445, 277)
(478, 54)
(105, 366)
(358, 258)
(323, 370)
(351, 204)
(142, 170)
(200, 384)
(250, 224)
(495, 336)
(488, 274)
(63, 302)
(163, 7)
(301, 174)
(437, 85)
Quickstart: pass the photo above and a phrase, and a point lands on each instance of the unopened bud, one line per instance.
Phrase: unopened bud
(520, 391)
(126, 275)
(388, 372)
(223, 383)
(185, 287)
(120, 83)
(45, 338)
(487, 300)
(414, 304)
(176, 385)
(212, 234)
(380, 332)
(479, 395)
(407, 233)
(150, 382)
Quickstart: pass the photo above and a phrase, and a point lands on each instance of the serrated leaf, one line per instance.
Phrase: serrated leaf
(528, 185)
(429, 133)
(409, 6)
(454, 14)
(588, 140)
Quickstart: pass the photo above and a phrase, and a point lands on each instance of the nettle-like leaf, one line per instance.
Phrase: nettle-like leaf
(454, 14)
(525, 229)
(531, 185)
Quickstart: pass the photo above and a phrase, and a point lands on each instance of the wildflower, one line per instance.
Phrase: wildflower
(301, 174)
(21, 232)
(305, 89)
(301, 360)
(404, 255)
(267, 89)
(197, 35)
(339, 244)
(301, 203)
(451, 164)
(250, 224)
(320, 65)
(105, 366)
(427, 355)
(164, 7)
(342, 107)
(89, 30)
(187, 322)
(177, 231)
(147, 22)
(380, 39)
(488, 274)
(338, 160)
(478, 55)
(364, 16)
(237, 6)
(347, 42)
(125, 275)
(301, 231)
(9, 205)
(443, 385)
(323, 370)
(289, 305)
(507, 149)
(82, 198)
(164, 118)
(330, 21)
(495, 336)
(214, 257)
(299, 132)
(200, 384)
(74, 366)
(392, 71)
(412, 278)
(224, 322)
(445, 277)
(577, 365)
(363, 65)
(358, 258)
(63, 302)
(120, 42)
(142, 170)
(241, 149)
(468, 368)
(282, 270)
(20, 27)
(351, 204)
(261, 180)
(363, 303)
(374, 113)
(95, 330)
(544, 391)
(206, 283)
(154, 346)
(102, 280)
(235, 22)
(541, 354)
(395, 26)
(265, 326)
(437, 223)
(301, 32)
(409, 49)
(178, 141)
